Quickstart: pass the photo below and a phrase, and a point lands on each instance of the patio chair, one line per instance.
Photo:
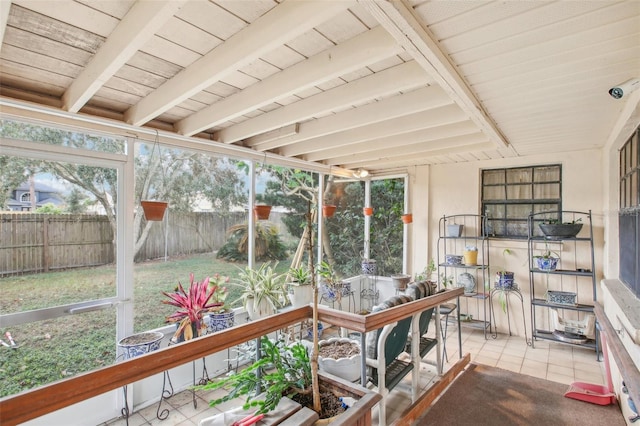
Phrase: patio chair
(384, 346)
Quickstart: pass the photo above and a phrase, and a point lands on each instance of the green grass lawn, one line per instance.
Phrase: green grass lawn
(54, 349)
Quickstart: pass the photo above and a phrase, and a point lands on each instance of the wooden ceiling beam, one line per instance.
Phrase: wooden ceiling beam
(401, 77)
(316, 148)
(271, 30)
(364, 49)
(393, 107)
(399, 18)
(461, 144)
(134, 30)
(407, 141)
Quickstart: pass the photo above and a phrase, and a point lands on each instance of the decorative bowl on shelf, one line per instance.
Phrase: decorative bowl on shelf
(453, 259)
(560, 230)
(561, 297)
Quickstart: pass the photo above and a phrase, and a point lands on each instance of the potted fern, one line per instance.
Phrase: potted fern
(192, 305)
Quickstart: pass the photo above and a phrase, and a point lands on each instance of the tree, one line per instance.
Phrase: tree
(174, 175)
(76, 202)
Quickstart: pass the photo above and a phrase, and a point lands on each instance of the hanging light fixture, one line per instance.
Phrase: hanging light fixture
(361, 173)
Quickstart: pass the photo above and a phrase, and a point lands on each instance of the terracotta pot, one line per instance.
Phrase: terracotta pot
(153, 210)
(328, 210)
(262, 212)
(407, 218)
(368, 211)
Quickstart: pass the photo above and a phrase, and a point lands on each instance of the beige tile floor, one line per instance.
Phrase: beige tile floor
(548, 360)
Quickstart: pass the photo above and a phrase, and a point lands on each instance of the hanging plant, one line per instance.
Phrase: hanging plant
(153, 210)
(262, 211)
(328, 210)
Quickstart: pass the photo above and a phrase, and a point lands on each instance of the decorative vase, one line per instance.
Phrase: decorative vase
(262, 212)
(217, 321)
(368, 211)
(407, 218)
(153, 210)
(328, 210)
(140, 344)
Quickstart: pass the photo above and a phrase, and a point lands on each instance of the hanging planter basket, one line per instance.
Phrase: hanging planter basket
(154, 210)
(262, 212)
(407, 218)
(368, 211)
(328, 210)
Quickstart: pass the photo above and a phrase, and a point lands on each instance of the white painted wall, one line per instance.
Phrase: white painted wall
(450, 189)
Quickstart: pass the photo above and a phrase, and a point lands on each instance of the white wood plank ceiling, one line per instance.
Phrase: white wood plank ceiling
(374, 84)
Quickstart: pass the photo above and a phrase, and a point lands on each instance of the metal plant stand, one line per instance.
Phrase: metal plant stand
(506, 293)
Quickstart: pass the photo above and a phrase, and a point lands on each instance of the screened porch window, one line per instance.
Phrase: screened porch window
(629, 215)
(509, 195)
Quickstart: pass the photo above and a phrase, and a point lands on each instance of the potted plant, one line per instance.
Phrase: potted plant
(328, 210)
(332, 287)
(340, 356)
(547, 260)
(300, 291)
(262, 290)
(220, 317)
(262, 211)
(553, 228)
(289, 375)
(192, 305)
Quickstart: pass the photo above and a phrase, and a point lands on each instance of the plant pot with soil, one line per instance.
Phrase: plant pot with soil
(290, 375)
(140, 344)
(340, 357)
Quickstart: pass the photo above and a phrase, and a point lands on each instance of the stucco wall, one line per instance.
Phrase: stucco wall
(450, 189)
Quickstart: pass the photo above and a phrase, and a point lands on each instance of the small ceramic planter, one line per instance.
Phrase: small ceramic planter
(547, 263)
(505, 280)
(218, 321)
(400, 281)
(348, 368)
(369, 267)
(140, 344)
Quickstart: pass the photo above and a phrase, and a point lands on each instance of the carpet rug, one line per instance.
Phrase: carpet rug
(485, 395)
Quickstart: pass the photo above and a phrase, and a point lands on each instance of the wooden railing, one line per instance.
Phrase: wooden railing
(46, 399)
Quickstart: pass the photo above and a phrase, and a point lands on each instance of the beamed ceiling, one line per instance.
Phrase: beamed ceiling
(375, 84)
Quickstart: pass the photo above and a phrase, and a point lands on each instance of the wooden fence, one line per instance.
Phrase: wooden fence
(35, 242)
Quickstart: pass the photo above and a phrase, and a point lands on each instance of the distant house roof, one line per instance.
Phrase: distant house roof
(38, 186)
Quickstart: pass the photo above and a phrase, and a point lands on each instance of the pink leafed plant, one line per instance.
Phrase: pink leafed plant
(191, 306)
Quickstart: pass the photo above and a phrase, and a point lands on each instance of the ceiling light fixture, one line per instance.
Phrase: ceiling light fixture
(360, 173)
